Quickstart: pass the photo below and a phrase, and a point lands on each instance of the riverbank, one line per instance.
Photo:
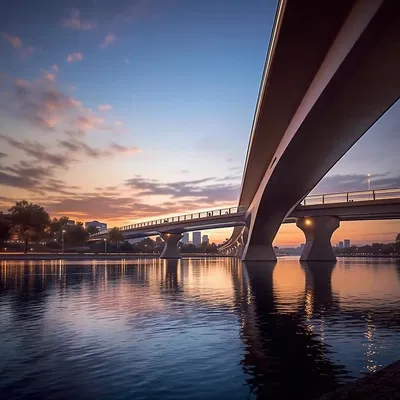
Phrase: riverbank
(89, 256)
(383, 384)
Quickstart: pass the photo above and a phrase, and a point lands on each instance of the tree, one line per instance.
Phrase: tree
(115, 236)
(5, 228)
(76, 235)
(397, 243)
(29, 219)
(91, 230)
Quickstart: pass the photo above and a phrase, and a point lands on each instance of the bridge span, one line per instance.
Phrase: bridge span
(318, 216)
(332, 71)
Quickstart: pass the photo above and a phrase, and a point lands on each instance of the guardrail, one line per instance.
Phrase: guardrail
(331, 198)
(349, 197)
(180, 218)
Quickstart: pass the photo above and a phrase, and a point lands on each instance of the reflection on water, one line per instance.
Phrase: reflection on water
(196, 328)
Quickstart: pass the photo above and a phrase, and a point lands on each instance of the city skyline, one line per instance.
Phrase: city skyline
(124, 112)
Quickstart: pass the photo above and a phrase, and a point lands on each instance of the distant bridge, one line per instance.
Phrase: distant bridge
(349, 206)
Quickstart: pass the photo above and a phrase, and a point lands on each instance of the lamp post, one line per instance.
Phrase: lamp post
(105, 246)
(369, 181)
(62, 240)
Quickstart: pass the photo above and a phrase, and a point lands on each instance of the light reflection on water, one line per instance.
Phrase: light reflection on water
(196, 328)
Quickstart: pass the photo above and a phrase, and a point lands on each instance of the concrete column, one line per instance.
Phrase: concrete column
(318, 232)
(262, 252)
(171, 249)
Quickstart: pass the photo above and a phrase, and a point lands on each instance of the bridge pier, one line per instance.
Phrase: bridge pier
(318, 232)
(171, 249)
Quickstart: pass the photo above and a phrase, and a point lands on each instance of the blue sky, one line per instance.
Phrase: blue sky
(127, 110)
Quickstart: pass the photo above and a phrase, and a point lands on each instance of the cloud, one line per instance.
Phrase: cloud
(104, 107)
(78, 146)
(210, 189)
(39, 152)
(2, 155)
(76, 23)
(35, 178)
(355, 182)
(76, 56)
(126, 61)
(110, 38)
(16, 43)
(54, 68)
(39, 102)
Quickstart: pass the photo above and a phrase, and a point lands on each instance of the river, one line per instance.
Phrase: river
(195, 328)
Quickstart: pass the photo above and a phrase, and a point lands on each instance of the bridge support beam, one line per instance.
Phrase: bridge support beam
(171, 249)
(263, 252)
(318, 232)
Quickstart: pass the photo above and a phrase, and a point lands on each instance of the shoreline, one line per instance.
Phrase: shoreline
(135, 256)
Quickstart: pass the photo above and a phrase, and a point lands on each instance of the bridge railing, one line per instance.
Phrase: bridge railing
(331, 198)
(348, 197)
(180, 218)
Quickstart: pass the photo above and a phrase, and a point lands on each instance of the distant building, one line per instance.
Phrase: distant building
(347, 243)
(340, 245)
(98, 225)
(205, 239)
(185, 239)
(196, 238)
(70, 222)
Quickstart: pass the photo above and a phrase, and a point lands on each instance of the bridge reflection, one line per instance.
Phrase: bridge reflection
(284, 358)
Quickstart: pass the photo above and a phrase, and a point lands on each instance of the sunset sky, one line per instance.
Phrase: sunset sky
(123, 111)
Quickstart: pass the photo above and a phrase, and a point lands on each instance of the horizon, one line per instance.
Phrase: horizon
(127, 112)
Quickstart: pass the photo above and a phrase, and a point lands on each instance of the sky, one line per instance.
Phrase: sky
(125, 111)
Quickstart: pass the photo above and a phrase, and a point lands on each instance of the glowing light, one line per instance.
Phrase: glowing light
(308, 222)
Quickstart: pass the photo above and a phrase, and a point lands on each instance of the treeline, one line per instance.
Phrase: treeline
(374, 248)
(31, 223)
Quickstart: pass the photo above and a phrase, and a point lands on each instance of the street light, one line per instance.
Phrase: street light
(105, 246)
(369, 181)
(62, 240)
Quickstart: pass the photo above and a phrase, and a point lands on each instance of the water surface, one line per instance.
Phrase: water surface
(194, 329)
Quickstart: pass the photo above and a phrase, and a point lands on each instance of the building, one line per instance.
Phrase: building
(98, 225)
(340, 245)
(196, 238)
(347, 243)
(185, 239)
(205, 239)
(70, 222)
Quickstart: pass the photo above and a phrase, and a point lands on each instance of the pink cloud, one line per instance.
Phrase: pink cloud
(54, 68)
(16, 43)
(104, 107)
(49, 77)
(89, 122)
(74, 22)
(76, 56)
(108, 40)
(118, 123)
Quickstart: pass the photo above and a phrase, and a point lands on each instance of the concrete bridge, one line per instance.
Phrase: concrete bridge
(318, 216)
(332, 70)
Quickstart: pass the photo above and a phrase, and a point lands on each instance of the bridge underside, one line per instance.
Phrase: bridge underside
(350, 86)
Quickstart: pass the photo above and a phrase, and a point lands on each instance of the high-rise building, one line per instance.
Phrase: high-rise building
(185, 239)
(196, 238)
(340, 245)
(98, 225)
(347, 243)
(205, 239)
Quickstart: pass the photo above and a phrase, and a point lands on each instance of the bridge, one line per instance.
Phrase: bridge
(329, 208)
(330, 73)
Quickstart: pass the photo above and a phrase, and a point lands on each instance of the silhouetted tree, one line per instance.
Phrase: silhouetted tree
(76, 235)
(91, 230)
(29, 219)
(5, 228)
(397, 243)
(115, 236)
